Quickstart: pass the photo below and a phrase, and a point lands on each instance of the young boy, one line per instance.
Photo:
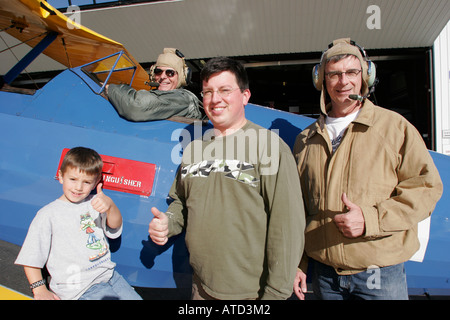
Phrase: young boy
(68, 236)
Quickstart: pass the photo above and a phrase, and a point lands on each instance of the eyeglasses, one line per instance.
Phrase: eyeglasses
(169, 72)
(335, 75)
(223, 93)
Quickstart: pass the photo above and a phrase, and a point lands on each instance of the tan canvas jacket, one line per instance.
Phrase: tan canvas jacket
(383, 166)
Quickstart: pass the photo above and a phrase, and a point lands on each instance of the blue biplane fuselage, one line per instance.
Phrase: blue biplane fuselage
(65, 113)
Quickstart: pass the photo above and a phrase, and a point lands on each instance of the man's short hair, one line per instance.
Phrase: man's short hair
(220, 64)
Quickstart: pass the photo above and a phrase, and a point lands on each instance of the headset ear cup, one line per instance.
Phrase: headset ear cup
(371, 73)
(317, 81)
(188, 74)
(152, 72)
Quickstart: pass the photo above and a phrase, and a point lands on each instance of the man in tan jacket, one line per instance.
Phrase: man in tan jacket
(367, 181)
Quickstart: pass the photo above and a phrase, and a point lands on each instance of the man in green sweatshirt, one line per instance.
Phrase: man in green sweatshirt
(236, 195)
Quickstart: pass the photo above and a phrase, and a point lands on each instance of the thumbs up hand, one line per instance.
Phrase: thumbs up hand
(104, 204)
(101, 203)
(351, 223)
(100, 188)
(159, 227)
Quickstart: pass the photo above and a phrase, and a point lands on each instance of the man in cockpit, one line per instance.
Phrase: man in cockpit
(170, 73)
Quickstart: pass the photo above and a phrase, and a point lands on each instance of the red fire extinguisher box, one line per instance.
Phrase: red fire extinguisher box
(124, 175)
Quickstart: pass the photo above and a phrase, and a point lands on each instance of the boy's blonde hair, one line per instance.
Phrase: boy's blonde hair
(85, 159)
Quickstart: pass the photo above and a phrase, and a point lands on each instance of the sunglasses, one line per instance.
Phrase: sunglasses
(169, 72)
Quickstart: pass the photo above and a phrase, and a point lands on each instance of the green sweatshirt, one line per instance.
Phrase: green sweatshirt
(239, 199)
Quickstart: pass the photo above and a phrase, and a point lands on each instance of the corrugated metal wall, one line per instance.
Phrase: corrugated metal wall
(207, 28)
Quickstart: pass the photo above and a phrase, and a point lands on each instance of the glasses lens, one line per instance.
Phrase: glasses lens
(169, 72)
(352, 73)
(334, 75)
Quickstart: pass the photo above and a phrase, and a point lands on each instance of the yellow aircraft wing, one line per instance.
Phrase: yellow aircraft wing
(30, 20)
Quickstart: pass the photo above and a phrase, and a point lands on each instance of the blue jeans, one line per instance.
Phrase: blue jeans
(117, 288)
(387, 283)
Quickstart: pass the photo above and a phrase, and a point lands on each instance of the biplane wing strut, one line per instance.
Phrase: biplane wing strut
(29, 57)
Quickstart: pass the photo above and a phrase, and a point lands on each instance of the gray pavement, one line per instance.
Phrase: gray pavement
(11, 275)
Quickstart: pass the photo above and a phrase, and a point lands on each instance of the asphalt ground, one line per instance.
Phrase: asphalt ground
(13, 277)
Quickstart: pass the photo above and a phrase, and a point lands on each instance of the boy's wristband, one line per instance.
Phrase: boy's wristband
(36, 284)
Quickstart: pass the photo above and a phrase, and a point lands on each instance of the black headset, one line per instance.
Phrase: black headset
(187, 71)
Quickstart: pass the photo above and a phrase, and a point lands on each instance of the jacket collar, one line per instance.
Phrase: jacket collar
(366, 117)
